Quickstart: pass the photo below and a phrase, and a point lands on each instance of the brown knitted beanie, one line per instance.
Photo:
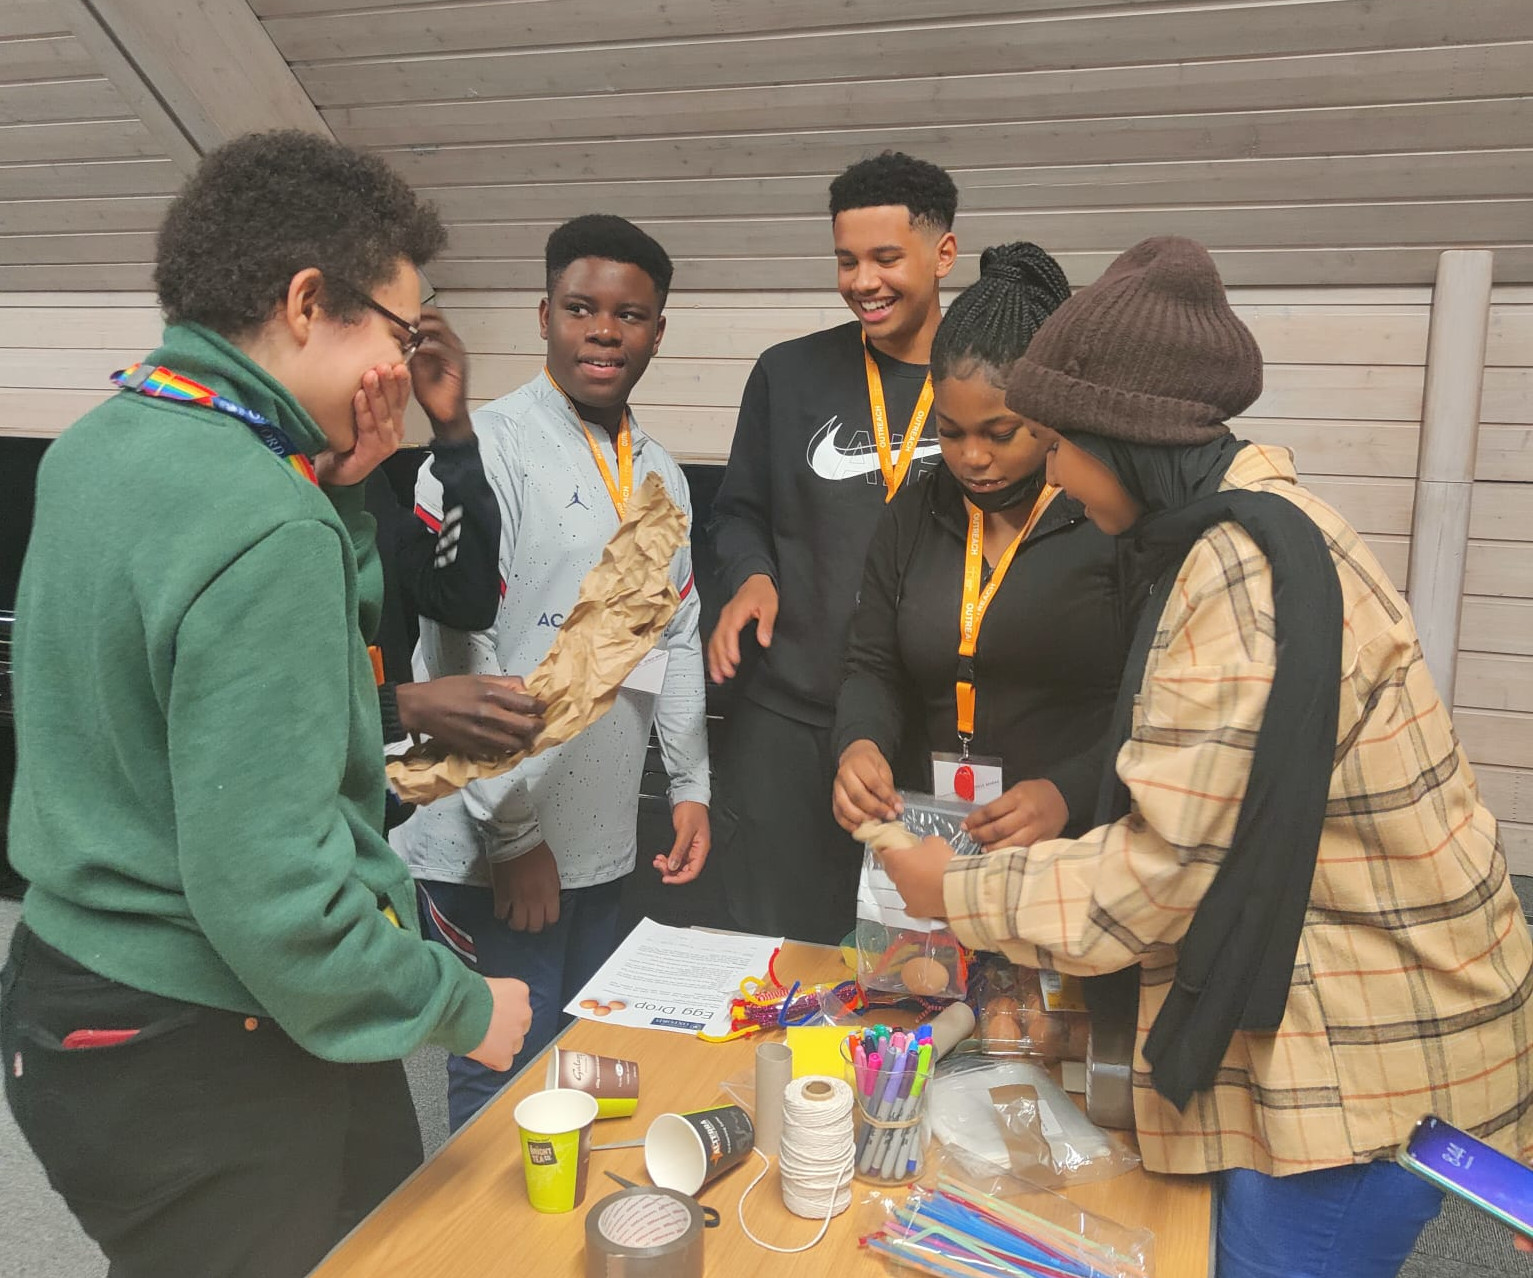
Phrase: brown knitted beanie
(1150, 353)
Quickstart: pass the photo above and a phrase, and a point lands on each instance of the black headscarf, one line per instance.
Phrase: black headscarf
(1235, 964)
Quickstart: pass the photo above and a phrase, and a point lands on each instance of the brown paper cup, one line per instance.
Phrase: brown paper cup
(556, 1147)
(686, 1151)
(614, 1083)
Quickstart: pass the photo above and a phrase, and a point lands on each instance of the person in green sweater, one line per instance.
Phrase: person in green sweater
(218, 966)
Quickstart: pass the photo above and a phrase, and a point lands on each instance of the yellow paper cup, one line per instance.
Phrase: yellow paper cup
(556, 1147)
(614, 1083)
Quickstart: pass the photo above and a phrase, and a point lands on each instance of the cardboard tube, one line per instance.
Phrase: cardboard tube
(774, 1071)
(953, 1024)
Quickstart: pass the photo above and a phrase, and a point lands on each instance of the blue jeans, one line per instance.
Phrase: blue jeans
(1342, 1222)
(555, 963)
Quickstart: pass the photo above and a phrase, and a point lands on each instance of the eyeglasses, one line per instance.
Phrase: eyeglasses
(414, 338)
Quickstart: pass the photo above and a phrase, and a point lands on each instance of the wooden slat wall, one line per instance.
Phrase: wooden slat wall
(1306, 141)
(1344, 385)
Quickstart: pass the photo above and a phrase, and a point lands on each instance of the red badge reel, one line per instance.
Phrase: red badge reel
(963, 783)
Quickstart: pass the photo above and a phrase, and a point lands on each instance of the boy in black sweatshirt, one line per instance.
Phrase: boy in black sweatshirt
(830, 426)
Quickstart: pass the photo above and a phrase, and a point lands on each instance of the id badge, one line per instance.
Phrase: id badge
(976, 779)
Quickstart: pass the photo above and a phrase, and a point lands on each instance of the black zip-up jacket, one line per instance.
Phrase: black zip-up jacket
(1048, 660)
(450, 574)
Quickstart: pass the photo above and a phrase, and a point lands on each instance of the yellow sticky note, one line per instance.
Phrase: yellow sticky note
(817, 1049)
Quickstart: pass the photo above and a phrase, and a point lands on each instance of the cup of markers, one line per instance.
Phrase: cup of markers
(889, 1071)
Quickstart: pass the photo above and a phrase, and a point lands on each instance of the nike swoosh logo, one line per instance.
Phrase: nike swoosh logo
(829, 462)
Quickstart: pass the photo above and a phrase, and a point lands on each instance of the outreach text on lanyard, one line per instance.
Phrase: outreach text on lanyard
(975, 601)
(620, 489)
(894, 469)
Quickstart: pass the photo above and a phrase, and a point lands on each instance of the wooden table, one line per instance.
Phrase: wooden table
(465, 1213)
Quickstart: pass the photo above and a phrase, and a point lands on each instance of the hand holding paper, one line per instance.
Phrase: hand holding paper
(625, 603)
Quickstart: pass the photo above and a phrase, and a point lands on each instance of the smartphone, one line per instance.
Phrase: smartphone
(1471, 1169)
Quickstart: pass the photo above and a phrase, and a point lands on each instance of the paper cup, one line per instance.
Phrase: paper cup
(685, 1151)
(556, 1147)
(614, 1083)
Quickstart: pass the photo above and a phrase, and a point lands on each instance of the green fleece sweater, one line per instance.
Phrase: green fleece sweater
(199, 790)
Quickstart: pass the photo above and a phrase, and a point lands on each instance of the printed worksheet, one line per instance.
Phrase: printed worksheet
(673, 978)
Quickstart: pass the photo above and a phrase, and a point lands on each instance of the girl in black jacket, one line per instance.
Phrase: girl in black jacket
(1018, 696)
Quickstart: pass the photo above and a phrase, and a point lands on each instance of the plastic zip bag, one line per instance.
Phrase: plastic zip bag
(1034, 1127)
(896, 952)
(953, 1223)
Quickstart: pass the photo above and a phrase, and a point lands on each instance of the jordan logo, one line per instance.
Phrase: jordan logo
(575, 501)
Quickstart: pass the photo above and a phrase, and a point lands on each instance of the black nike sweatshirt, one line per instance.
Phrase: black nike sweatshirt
(800, 499)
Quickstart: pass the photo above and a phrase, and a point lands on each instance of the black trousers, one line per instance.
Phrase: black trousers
(788, 868)
(209, 1144)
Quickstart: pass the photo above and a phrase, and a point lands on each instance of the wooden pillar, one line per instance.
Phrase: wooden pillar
(1450, 433)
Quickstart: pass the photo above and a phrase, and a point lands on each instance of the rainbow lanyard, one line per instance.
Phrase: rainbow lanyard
(165, 383)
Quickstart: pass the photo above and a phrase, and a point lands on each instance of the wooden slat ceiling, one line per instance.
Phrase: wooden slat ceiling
(73, 158)
(1307, 141)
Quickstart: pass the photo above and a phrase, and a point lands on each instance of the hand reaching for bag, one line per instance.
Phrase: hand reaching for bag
(864, 789)
(1028, 813)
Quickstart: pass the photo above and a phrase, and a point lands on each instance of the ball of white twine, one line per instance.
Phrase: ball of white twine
(817, 1157)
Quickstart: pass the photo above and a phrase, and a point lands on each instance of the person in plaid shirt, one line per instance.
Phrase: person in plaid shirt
(1292, 849)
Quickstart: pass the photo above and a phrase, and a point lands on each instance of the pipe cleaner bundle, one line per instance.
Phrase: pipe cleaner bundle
(767, 1003)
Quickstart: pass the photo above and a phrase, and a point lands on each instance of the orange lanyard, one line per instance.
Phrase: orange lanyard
(894, 469)
(977, 601)
(620, 489)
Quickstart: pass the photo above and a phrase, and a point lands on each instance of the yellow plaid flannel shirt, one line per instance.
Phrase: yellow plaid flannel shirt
(1411, 990)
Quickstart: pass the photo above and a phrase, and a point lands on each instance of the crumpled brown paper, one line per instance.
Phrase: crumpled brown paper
(625, 603)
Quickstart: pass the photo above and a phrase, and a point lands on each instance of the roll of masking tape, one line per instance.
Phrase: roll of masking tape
(645, 1233)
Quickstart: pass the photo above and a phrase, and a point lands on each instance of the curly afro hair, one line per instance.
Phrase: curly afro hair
(992, 321)
(613, 238)
(896, 178)
(262, 208)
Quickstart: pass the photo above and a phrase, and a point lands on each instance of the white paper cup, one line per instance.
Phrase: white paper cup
(685, 1151)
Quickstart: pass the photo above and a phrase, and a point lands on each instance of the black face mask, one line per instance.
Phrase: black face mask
(1024, 490)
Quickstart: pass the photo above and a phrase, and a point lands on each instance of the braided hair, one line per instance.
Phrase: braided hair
(992, 321)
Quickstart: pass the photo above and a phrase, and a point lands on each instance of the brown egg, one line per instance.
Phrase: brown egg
(924, 976)
(1050, 1035)
(1002, 1031)
(1002, 1005)
(589, 1004)
(601, 1009)
(616, 1005)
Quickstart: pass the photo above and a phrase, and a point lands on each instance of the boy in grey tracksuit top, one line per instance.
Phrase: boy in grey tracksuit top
(580, 798)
